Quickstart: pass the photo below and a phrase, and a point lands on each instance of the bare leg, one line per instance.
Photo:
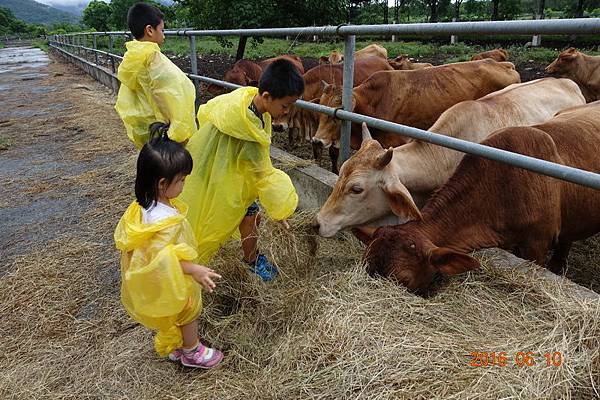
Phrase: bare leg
(190, 334)
(558, 261)
(249, 233)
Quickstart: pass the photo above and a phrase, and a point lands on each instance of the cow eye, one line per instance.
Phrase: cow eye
(356, 189)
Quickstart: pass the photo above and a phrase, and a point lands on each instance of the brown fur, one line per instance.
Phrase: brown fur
(583, 69)
(247, 72)
(490, 204)
(415, 98)
(403, 63)
(496, 54)
(372, 50)
(307, 121)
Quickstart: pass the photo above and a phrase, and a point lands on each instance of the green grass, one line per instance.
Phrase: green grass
(4, 143)
(1, 45)
(271, 47)
(41, 44)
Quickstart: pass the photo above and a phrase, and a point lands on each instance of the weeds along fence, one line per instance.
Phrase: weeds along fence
(76, 45)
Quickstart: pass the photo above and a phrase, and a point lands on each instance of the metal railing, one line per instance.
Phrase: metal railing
(349, 32)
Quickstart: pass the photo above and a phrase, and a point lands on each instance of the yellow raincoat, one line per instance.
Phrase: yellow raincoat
(154, 89)
(232, 168)
(154, 290)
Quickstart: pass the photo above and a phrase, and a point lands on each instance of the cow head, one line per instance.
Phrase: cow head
(239, 77)
(565, 63)
(298, 118)
(401, 62)
(405, 254)
(367, 190)
(329, 130)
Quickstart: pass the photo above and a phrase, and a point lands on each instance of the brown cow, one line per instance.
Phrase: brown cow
(583, 69)
(496, 54)
(372, 50)
(415, 98)
(418, 168)
(306, 121)
(403, 63)
(335, 57)
(490, 204)
(247, 72)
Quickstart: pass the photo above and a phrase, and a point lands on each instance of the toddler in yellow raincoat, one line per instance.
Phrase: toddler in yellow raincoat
(232, 166)
(152, 87)
(160, 286)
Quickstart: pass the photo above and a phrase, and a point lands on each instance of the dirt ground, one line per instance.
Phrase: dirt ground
(67, 174)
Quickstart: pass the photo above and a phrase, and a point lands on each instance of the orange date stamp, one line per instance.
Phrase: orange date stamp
(520, 359)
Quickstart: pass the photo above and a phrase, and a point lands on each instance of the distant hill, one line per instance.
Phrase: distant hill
(73, 9)
(36, 13)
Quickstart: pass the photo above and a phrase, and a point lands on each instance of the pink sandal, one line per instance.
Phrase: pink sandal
(201, 357)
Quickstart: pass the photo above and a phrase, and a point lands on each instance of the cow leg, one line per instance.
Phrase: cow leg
(292, 137)
(334, 155)
(558, 261)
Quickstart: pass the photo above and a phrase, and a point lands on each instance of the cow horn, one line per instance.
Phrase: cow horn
(366, 135)
(384, 159)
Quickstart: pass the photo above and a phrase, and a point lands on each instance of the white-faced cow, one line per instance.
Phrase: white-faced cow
(490, 204)
(379, 187)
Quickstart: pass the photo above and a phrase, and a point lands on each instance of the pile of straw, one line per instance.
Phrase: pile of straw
(322, 329)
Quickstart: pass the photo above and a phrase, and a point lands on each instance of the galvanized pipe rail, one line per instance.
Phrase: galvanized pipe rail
(567, 26)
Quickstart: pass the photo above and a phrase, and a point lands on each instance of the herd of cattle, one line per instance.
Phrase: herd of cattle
(421, 208)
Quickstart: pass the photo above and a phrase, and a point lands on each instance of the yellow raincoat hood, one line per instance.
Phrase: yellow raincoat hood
(154, 289)
(154, 89)
(232, 169)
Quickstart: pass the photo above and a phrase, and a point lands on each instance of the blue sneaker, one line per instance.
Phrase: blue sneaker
(263, 268)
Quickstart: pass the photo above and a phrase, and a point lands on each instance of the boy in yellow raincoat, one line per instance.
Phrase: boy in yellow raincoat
(232, 166)
(152, 87)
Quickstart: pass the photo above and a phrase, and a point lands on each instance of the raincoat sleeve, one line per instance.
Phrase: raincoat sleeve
(276, 193)
(173, 102)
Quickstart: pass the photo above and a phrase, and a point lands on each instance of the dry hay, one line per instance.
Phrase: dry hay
(322, 329)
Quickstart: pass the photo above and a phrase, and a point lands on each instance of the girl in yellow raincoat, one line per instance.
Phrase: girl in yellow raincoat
(232, 166)
(160, 287)
(152, 87)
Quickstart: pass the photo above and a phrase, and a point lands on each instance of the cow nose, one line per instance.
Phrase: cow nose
(315, 225)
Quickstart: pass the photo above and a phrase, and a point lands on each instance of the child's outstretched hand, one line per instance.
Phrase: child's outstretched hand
(201, 274)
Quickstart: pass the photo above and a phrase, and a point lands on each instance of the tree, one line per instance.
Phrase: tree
(97, 15)
(495, 10)
(118, 12)
(457, 4)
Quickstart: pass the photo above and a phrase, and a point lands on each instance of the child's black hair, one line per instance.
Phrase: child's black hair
(140, 15)
(160, 157)
(281, 79)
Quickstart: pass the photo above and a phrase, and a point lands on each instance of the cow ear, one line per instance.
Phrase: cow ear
(401, 201)
(364, 233)
(323, 60)
(568, 54)
(451, 262)
(316, 100)
(383, 160)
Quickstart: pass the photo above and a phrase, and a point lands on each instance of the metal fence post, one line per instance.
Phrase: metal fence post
(95, 44)
(194, 64)
(348, 84)
(111, 43)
